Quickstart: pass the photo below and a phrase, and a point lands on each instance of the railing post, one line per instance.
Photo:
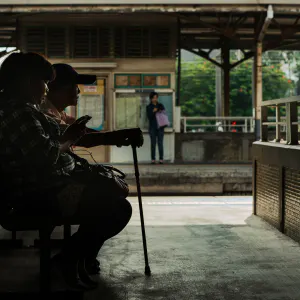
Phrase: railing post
(291, 129)
(251, 125)
(277, 125)
(184, 124)
(264, 128)
(246, 125)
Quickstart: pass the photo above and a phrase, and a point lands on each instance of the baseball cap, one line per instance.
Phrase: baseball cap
(65, 74)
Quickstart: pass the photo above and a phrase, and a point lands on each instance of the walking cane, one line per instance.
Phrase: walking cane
(138, 185)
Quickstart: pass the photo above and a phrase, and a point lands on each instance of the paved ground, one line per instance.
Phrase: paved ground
(199, 248)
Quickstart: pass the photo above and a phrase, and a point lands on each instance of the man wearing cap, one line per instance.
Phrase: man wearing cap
(64, 92)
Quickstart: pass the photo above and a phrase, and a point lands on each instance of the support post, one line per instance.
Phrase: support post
(278, 125)
(291, 129)
(178, 62)
(264, 128)
(219, 100)
(258, 94)
(226, 83)
(177, 120)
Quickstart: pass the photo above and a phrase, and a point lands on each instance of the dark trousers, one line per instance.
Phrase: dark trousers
(157, 135)
(101, 216)
(100, 219)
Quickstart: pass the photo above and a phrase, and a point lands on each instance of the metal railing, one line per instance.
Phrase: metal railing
(218, 124)
(290, 121)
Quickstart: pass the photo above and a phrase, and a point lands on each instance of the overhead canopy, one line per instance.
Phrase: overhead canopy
(139, 2)
(202, 26)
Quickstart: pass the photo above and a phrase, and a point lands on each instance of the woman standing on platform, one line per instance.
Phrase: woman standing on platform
(156, 132)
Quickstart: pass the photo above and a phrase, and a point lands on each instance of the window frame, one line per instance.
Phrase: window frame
(103, 126)
(134, 91)
(142, 81)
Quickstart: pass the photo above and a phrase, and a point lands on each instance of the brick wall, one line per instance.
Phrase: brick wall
(276, 186)
(267, 193)
(292, 203)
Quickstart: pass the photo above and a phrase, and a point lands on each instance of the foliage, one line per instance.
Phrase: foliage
(198, 91)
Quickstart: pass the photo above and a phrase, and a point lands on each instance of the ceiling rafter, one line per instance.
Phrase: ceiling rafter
(247, 56)
(203, 54)
(287, 32)
(226, 33)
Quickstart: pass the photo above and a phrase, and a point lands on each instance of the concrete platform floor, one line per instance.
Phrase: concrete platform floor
(199, 248)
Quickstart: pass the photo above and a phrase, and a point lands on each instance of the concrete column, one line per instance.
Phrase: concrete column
(257, 92)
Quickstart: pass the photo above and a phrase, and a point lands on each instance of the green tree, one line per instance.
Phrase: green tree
(197, 92)
(198, 87)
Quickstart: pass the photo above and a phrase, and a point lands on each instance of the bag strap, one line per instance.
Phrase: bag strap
(84, 162)
(111, 168)
(78, 159)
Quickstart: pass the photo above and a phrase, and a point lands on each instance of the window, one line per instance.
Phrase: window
(142, 81)
(99, 42)
(131, 109)
(35, 38)
(85, 42)
(91, 102)
(56, 42)
(50, 41)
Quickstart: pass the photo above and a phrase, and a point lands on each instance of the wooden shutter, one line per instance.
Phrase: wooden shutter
(35, 38)
(85, 42)
(160, 42)
(104, 42)
(56, 42)
(133, 42)
(119, 42)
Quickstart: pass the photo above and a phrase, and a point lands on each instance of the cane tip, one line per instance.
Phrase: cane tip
(147, 271)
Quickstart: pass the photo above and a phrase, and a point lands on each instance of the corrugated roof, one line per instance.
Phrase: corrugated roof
(202, 26)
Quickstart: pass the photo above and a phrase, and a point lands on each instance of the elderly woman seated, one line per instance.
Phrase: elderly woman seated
(33, 161)
(64, 92)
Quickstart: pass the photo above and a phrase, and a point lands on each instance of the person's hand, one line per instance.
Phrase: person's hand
(73, 133)
(155, 109)
(127, 137)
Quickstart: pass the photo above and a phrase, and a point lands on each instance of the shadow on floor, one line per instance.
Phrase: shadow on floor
(229, 262)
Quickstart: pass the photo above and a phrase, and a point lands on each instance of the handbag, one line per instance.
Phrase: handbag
(110, 178)
(162, 119)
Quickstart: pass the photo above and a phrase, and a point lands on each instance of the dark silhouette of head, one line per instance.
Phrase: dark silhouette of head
(153, 97)
(24, 77)
(63, 90)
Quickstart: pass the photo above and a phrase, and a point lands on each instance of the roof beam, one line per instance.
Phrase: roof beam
(203, 54)
(247, 56)
(282, 46)
(267, 22)
(230, 33)
(287, 33)
(130, 8)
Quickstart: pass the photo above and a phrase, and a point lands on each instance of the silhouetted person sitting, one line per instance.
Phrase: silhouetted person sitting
(64, 92)
(38, 178)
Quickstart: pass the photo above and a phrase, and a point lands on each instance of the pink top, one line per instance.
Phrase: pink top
(61, 117)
